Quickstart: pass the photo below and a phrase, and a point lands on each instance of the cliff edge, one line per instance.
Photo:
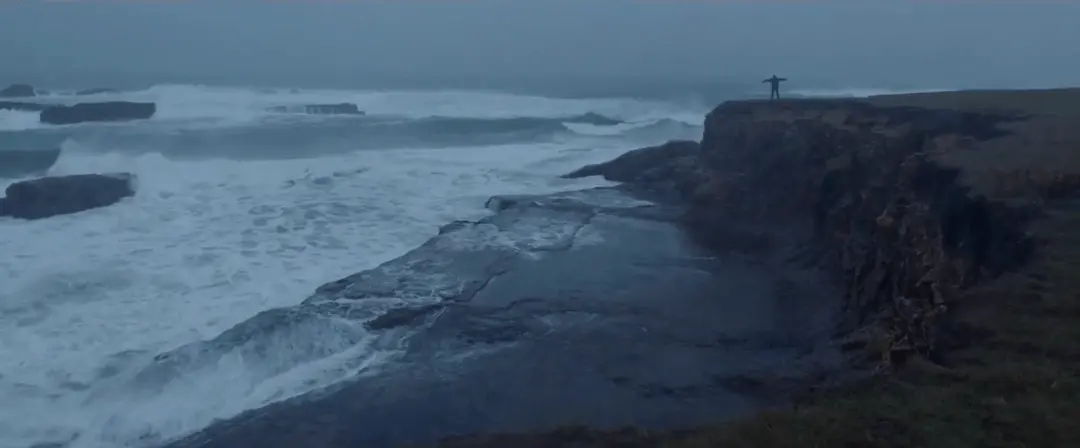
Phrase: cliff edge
(950, 222)
(857, 189)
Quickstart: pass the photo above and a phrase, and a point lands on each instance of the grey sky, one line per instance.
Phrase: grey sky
(866, 43)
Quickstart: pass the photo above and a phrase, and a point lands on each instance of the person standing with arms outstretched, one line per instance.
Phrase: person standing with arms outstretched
(775, 84)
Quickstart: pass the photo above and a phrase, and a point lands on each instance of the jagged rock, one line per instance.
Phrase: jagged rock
(51, 196)
(18, 105)
(632, 166)
(850, 183)
(398, 317)
(18, 163)
(17, 90)
(103, 111)
(95, 91)
(902, 233)
(553, 299)
(342, 109)
(320, 109)
(594, 118)
(671, 167)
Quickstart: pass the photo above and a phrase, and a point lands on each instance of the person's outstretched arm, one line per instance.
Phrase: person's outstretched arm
(783, 79)
(766, 80)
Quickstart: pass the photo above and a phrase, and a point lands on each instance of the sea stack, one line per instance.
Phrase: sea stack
(17, 91)
(51, 196)
(95, 112)
(320, 109)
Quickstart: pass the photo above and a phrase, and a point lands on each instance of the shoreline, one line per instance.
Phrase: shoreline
(998, 365)
(896, 200)
(533, 328)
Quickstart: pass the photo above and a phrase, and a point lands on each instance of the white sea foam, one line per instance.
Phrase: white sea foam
(17, 120)
(87, 300)
(231, 106)
(195, 106)
(203, 246)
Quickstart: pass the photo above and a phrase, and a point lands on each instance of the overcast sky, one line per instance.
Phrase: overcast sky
(865, 43)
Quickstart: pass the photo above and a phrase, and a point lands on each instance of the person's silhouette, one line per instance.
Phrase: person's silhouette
(775, 84)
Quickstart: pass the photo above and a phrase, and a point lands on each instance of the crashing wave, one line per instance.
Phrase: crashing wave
(23, 163)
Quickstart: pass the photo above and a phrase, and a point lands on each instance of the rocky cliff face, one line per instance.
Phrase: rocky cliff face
(856, 189)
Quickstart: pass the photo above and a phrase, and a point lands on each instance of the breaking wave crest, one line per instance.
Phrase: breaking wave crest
(142, 321)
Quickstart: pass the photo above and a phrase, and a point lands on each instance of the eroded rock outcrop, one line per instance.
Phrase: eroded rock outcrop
(95, 112)
(671, 162)
(854, 188)
(561, 307)
(96, 91)
(595, 119)
(50, 196)
(17, 90)
(320, 109)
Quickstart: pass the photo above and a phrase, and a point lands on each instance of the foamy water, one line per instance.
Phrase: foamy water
(224, 106)
(87, 300)
(17, 120)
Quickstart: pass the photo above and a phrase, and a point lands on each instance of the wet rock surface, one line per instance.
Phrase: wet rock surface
(855, 189)
(59, 195)
(17, 91)
(587, 307)
(96, 91)
(320, 109)
(671, 169)
(98, 112)
(873, 203)
(616, 317)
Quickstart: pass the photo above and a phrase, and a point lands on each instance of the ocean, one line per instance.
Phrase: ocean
(240, 210)
(145, 321)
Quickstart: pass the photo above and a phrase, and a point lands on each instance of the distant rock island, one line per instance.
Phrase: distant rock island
(17, 91)
(60, 195)
(97, 112)
(95, 91)
(320, 109)
(103, 111)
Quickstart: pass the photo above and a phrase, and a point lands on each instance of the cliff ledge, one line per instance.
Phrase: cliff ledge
(950, 222)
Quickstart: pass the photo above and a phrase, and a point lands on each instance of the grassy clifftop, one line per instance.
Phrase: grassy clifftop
(951, 219)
